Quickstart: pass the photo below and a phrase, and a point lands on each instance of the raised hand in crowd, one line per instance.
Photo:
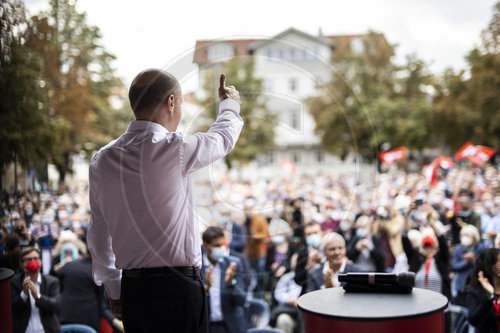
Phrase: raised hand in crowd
(328, 279)
(485, 283)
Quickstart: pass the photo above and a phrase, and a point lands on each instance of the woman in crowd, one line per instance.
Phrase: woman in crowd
(463, 261)
(484, 292)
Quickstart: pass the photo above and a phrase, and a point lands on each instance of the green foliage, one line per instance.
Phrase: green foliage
(467, 104)
(25, 132)
(258, 133)
(374, 102)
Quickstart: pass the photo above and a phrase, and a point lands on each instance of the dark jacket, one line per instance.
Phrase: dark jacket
(81, 298)
(481, 310)
(48, 304)
(377, 254)
(232, 298)
(442, 257)
(463, 270)
(315, 277)
(238, 238)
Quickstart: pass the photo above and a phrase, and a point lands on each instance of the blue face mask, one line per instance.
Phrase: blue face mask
(46, 220)
(314, 240)
(217, 253)
(278, 239)
(361, 233)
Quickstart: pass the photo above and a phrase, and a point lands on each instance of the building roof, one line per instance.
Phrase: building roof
(245, 47)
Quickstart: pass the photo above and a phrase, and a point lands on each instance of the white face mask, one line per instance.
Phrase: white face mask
(466, 241)
(314, 240)
(218, 252)
(345, 226)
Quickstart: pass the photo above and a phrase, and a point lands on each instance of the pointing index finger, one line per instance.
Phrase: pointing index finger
(223, 80)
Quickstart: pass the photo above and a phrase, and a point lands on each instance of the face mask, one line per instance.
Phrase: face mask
(217, 253)
(344, 226)
(29, 212)
(466, 241)
(314, 240)
(33, 266)
(361, 233)
(45, 220)
(278, 239)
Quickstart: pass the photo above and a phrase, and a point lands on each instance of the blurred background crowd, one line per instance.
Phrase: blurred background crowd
(290, 236)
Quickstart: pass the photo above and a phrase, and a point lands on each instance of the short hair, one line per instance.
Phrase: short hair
(212, 233)
(28, 250)
(312, 224)
(330, 237)
(150, 88)
(471, 230)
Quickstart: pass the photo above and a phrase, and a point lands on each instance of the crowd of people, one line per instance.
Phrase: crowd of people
(276, 240)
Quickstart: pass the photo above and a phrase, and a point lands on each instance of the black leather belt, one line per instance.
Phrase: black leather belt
(161, 271)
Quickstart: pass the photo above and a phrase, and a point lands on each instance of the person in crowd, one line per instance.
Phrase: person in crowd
(224, 284)
(114, 321)
(331, 223)
(278, 252)
(327, 275)
(483, 294)
(35, 297)
(388, 227)
(463, 260)
(490, 219)
(366, 249)
(309, 254)
(81, 298)
(257, 234)
(431, 262)
(285, 315)
(22, 231)
(464, 215)
(12, 253)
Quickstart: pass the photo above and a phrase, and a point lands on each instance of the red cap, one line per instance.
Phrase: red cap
(428, 241)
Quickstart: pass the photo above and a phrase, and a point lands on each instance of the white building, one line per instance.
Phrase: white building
(293, 65)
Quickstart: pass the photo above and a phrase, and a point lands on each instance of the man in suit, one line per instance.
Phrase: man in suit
(34, 297)
(309, 255)
(327, 275)
(224, 285)
(81, 298)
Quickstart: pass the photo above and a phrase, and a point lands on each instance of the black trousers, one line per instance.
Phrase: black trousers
(170, 303)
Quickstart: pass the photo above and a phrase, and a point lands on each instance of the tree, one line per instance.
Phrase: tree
(25, 132)
(81, 82)
(373, 101)
(467, 108)
(258, 133)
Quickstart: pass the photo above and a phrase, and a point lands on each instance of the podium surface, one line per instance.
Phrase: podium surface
(334, 309)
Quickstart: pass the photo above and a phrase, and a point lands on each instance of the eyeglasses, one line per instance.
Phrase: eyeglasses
(29, 259)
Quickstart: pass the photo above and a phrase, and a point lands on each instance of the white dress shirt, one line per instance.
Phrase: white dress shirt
(35, 322)
(335, 275)
(142, 211)
(286, 288)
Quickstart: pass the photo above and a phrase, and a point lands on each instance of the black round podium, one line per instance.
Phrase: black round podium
(334, 310)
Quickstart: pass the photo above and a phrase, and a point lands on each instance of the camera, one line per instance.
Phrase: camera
(19, 230)
(419, 202)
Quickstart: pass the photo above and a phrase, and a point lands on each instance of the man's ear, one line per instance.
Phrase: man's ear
(171, 103)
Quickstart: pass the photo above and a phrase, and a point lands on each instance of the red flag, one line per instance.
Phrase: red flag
(288, 166)
(478, 155)
(391, 156)
(431, 169)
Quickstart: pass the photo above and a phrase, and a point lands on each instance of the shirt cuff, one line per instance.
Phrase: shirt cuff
(113, 289)
(229, 105)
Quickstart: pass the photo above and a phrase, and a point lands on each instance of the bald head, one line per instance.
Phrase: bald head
(150, 89)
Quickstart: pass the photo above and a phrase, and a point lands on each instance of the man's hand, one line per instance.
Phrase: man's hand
(230, 272)
(115, 306)
(208, 277)
(227, 92)
(26, 285)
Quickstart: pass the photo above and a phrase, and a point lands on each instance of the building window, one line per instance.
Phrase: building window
(269, 53)
(357, 45)
(293, 85)
(320, 156)
(304, 54)
(316, 52)
(280, 53)
(219, 51)
(292, 54)
(295, 120)
(296, 157)
(268, 84)
(270, 157)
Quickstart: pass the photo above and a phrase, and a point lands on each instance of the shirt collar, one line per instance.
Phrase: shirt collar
(326, 266)
(144, 125)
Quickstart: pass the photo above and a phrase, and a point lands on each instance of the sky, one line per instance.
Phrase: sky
(162, 34)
